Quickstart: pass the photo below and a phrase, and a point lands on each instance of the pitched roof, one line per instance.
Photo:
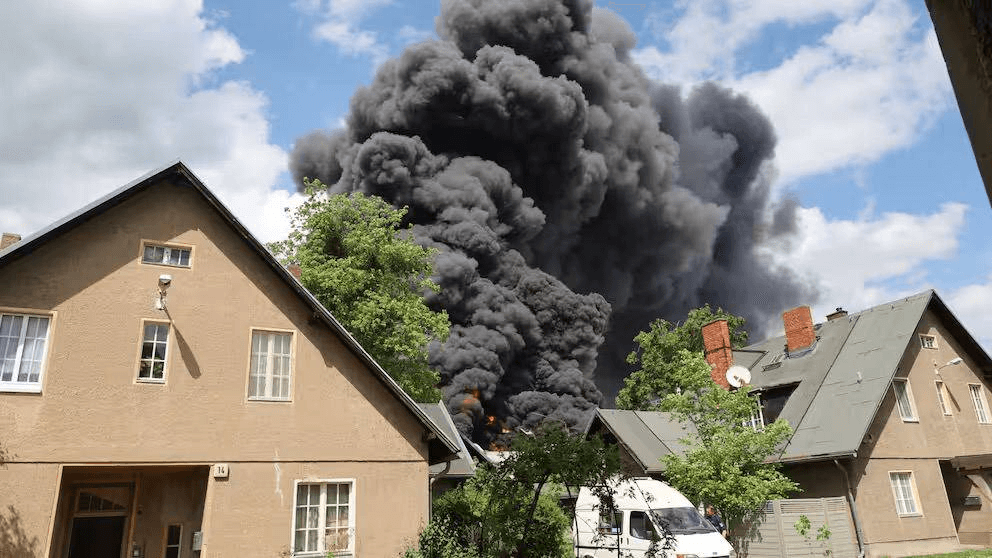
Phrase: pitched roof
(441, 446)
(463, 466)
(849, 367)
(646, 435)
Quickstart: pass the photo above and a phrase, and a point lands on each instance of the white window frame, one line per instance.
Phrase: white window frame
(757, 420)
(141, 348)
(908, 392)
(896, 479)
(322, 519)
(928, 341)
(980, 403)
(267, 393)
(942, 397)
(166, 254)
(13, 385)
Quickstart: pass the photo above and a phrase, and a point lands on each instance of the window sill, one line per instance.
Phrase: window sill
(18, 388)
(917, 514)
(915, 420)
(151, 381)
(274, 400)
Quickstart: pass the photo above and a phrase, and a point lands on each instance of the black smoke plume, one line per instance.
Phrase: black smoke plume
(542, 164)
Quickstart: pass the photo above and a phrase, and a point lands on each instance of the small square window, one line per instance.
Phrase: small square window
(165, 255)
(154, 351)
(904, 400)
(943, 397)
(271, 365)
(928, 341)
(905, 493)
(981, 406)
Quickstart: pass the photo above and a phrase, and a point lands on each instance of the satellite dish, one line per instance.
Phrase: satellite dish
(738, 376)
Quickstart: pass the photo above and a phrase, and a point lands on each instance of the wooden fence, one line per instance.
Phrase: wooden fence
(775, 535)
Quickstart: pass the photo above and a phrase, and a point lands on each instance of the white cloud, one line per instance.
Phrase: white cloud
(868, 87)
(95, 94)
(971, 305)
(860, 263)
(340, 24)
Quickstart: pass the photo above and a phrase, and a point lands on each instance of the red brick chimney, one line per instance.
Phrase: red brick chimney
(9, 239)
(295, 270)
(799, 332)
(716, 344)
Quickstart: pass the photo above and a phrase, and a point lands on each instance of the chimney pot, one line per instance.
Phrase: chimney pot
(719, 354)
(9, 239)
(799, 332)
(839, 313)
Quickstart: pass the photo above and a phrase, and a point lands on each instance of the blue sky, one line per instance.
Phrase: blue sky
(870, 140)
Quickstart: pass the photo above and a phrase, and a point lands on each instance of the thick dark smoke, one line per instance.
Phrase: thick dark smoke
(542, 164)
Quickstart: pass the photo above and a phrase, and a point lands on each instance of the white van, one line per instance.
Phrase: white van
(640, 503)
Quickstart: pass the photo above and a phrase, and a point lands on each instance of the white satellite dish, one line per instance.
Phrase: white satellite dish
(738, 376)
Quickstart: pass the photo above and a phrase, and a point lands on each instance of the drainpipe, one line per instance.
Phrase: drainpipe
(441, 473)
(854, 510)
(430, 488)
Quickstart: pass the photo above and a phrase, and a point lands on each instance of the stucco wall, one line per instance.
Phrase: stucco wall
(92, 409)
(935, 434)
(391, 504)
(877, 508)
(27, 499)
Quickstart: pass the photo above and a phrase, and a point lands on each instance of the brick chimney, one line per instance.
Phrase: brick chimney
(9, 239)
(716, 344)
(799, 332)
(295, 270)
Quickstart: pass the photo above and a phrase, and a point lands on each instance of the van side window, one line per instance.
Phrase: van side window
(640, 526)
(609, 524)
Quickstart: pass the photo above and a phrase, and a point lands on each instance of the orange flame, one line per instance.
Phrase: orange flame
(490, 420)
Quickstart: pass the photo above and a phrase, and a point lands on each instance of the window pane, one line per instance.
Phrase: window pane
(149, 254)
(174, 534)
(184, 257)
(270, 369)
(902, 397)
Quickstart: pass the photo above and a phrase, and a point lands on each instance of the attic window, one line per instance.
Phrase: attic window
(165, 255)
(928, 341)
(773, 400)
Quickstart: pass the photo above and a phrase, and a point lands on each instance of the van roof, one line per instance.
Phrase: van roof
(637, 493)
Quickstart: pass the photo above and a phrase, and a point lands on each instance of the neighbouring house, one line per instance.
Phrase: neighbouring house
(889, 410)
(889, 407)
(168, 389)
(642, 437)
(450, 474)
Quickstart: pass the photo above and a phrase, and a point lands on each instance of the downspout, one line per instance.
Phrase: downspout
(430, 488)
(854, 510)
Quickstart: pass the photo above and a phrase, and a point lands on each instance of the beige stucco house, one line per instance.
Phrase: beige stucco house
(169, 390)
(889, 409)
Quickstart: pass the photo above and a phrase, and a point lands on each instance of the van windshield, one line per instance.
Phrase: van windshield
(682, 521)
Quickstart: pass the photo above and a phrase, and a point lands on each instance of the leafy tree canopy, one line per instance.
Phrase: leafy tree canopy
(725, 463)
(510, 509)
(361, 263)
(666, 350)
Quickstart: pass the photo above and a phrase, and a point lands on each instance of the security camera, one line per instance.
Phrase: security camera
(164, 281)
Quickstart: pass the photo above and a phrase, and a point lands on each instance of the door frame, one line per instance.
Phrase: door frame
(127, 514)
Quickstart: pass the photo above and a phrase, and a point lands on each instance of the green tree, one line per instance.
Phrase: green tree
(361, 263)
(663, 354)
(726, 459)
(510, 508)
